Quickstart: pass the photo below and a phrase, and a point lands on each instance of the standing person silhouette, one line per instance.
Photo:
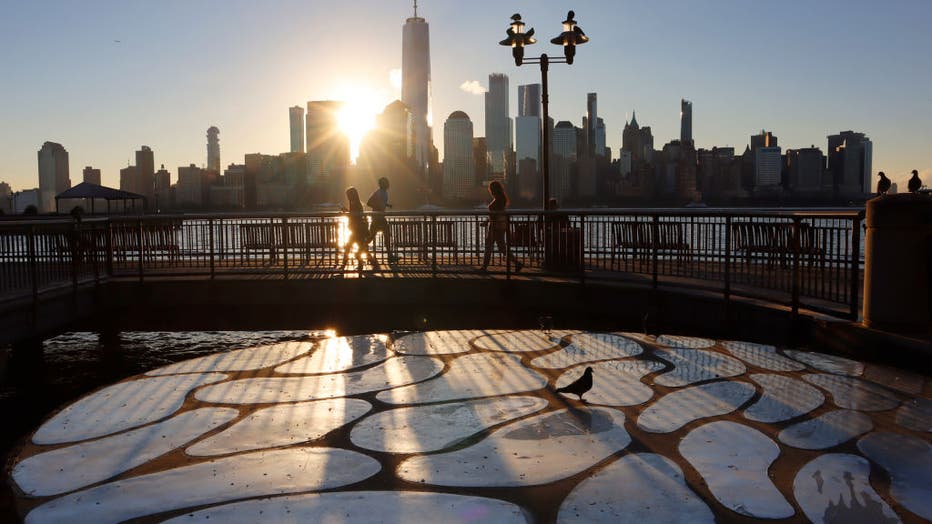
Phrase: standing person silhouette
(497, 228)
(378, 202)
(358, 229)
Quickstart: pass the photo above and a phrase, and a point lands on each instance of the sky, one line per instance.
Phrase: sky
(103, 77)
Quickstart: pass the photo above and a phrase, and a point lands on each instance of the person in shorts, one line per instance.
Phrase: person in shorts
(378, 202)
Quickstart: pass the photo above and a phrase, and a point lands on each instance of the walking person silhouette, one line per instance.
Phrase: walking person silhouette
(497, 228)
(378, 202)
(358, 230)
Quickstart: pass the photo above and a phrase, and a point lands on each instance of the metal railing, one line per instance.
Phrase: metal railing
(809, 259)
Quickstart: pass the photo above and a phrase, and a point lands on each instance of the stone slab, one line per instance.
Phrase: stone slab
(733, 460)
(641, 487)
(589, 347)
(257, 474)
(282, 425)
(394, 372)
(122, 406)
(470, 376)
(523, 453)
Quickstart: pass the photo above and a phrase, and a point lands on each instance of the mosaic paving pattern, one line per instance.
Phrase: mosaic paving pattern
(392, 428)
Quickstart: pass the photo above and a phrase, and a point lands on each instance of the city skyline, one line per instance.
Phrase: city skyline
(88, 62)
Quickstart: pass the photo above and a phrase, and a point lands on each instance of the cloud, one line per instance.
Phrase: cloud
(473, 87)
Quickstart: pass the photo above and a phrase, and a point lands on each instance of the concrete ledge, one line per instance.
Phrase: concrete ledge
(367, 305)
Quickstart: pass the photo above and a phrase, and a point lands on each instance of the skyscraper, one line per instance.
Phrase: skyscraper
(497, 122)
(592, 116)
(528, 139)
(328, 150)
(145, 175)
(91, 175)
(296, 119)
(415, 82)
(529, 100)
(53, 174)
(764, 139)
(686, 121)
(850, 158)
(767, 168)
(213, 149)
(458, 166)
(564, 160)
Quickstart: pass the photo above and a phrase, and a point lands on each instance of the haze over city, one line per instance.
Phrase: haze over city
(105, 77)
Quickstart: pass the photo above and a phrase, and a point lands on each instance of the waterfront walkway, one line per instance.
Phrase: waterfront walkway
(467, 426)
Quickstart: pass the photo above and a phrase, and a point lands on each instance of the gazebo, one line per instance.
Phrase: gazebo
(92, 192)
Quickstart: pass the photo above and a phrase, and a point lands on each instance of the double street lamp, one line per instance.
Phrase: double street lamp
(517, 40)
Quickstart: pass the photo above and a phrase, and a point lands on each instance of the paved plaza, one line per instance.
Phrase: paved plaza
(467, 426)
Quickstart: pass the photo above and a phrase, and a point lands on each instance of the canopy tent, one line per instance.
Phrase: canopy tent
(87, 190)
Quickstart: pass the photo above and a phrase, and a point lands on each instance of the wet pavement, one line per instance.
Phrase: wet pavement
(467, 426)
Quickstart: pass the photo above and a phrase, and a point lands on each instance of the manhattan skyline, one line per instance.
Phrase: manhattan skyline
(105, 78)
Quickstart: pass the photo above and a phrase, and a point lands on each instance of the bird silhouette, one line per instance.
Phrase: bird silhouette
(580, 386)
(915, 182)
(883, 185)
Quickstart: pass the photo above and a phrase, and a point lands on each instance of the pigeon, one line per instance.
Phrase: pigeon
(883, 185)
(580, 386)
(915, 182)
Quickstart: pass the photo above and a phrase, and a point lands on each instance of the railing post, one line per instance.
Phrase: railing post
(727, 291)
(109, 247)
(75, 252)
(655, 233)
(855, 265)
(433, 244)
(139, 239)
(582, 249)
(210, 241)
(33, 265)
(796, 275)
(285, 246)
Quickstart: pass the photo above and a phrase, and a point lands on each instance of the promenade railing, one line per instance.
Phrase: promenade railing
(810, 259)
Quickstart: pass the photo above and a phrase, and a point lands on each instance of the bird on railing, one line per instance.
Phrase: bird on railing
(915, 182)
(580, 386)
(883, 185)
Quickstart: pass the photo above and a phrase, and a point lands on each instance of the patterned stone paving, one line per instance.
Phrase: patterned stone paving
(467, 426)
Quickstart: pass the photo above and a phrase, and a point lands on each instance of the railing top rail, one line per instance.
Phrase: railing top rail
(668, 212)
(9, 223)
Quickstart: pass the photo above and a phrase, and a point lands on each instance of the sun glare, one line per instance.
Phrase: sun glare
(357, 118)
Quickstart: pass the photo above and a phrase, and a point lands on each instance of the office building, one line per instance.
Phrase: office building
(639, 141)
(296, 121)
(145, 175)
(162, 188)
(529, 100)
(686, 121)
(763, 139)
(6, 198)
(563, 165)
(589, 124)
(805, 168)
(497, 122)
(768, 167)
(91, 175)
(213, 149)
(850, 159)
(54, 175)
(415, 83)
(458, 166)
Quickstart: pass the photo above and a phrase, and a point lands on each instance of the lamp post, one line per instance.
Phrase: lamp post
(517, 39)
